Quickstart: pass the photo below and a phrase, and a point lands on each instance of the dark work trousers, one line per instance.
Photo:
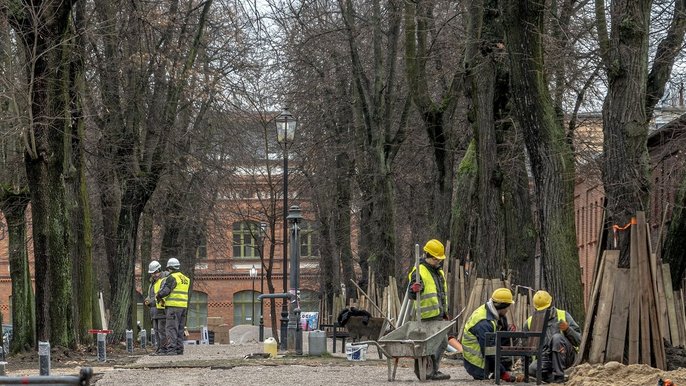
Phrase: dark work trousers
(556, 358)
(159, 323)
(176, 320)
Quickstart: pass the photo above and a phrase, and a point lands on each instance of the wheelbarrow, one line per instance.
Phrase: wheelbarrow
(417, 340)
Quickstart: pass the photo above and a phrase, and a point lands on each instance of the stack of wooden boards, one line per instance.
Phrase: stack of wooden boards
(632, 309)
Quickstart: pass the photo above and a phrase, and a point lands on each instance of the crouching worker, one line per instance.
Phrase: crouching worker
(563, 336)
(482, 321)
(433, 298)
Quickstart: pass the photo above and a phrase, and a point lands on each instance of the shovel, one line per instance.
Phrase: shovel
(417, 279)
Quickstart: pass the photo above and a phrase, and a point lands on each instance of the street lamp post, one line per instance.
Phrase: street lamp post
(253, 275)
(294, 330)
(263, 231)
(285, 132)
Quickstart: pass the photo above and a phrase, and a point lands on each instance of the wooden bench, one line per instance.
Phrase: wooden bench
(334, 331)
(530, 343)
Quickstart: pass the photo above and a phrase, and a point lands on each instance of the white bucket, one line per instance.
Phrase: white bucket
(356, 353)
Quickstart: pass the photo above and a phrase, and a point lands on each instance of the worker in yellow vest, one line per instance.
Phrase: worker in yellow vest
(433, 298)
(486, 318)
(174, 294)
(563, 337)
(157, 277)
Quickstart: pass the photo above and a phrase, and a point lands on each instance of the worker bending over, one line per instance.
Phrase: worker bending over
(433, 299)
(486, 319)
(563, 336)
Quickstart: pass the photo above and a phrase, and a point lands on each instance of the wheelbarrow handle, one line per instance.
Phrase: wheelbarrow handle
(458, 315)
(375, 343)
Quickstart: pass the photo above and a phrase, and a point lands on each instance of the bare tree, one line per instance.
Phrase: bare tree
(633, 90)
(141, 88)
(44, 32)
(550, 153)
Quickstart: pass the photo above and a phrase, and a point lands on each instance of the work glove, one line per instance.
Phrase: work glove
(416, 287)
(508, 376)
(563, 326)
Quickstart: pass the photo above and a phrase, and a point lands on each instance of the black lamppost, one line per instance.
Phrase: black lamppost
(285, 132)
(263, 231)
(253, 275)
(294, 330)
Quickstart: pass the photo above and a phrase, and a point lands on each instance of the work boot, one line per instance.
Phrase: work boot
(439, 376)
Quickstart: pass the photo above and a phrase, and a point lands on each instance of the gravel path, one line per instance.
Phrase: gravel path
(224, 364)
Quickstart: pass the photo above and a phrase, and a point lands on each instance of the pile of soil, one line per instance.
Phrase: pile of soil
(615, 373)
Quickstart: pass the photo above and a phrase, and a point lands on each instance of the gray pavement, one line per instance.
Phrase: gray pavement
(224, 364)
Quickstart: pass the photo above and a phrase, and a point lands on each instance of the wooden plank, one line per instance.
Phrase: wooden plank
(661, 301)
(590, 312)
(662, 304)
(620, 317)
(670, 306)
(635, 303)
(474, 297)
(649, 271)
(680, 315)
(602, 319)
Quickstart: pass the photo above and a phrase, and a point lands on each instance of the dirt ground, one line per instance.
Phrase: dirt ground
(222, 364)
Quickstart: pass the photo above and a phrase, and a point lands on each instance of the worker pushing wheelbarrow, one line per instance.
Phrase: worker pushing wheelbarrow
(425, 339)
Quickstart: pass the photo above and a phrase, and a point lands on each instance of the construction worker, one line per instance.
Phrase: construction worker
(157, 277)
(562, 340)
(433, 298)
(483, 320)
(174, 293)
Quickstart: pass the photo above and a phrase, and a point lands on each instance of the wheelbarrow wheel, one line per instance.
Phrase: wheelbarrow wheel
(428, 364)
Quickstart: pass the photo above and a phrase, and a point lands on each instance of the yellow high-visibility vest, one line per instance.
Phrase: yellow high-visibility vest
(156, 288)
(179, 295)
(471, 351)
(429, 305)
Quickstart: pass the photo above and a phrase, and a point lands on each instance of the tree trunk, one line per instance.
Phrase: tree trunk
(13, 207)
(79, 206)
(375, 109)
(464, 207)
(550, 154)
(48, 55)
(437, 116)
(482, 69)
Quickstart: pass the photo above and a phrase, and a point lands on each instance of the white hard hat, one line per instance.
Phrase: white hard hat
(174, 263)
(154, 266)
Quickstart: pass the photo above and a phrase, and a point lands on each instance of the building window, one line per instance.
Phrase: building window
(244, 240)
(201, 251)
(197, 310)
(309, 246)
(243, 308)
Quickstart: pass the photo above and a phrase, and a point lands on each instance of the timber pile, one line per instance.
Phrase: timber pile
(625, 313)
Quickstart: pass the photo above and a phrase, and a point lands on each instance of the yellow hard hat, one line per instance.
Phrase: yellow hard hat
(435, 248)
(542, 300)
(502, 295)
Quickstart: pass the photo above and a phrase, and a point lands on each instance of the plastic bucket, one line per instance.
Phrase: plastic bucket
(356, 353)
